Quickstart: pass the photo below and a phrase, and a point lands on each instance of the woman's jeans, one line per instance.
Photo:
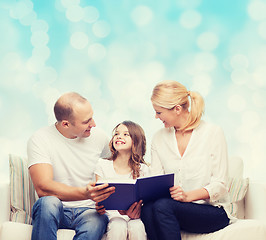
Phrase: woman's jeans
(165, 218)
(49, 215)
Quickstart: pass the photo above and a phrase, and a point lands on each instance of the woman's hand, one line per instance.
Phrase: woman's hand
(177, 193)
(134, 211)
(100, 209)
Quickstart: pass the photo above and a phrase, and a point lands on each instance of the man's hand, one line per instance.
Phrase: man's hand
(100, 209)
(100, 192)
(134, 211)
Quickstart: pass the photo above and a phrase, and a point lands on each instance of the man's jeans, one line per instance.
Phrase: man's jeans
(165, 218)
(49, 216)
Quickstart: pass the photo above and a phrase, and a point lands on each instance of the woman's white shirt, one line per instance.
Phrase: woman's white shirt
(204, 163)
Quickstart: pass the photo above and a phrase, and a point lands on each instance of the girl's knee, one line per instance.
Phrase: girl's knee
(136, 225)
(136, 230)
(117, 228)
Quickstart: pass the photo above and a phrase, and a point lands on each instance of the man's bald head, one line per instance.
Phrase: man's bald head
(63, 108)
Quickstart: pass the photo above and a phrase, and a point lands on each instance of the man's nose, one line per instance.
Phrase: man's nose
(92, 124)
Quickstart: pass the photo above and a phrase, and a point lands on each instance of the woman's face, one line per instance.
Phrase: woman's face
(122, 140)
(168, 117)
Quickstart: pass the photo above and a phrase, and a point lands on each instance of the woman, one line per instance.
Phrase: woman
(196, 152)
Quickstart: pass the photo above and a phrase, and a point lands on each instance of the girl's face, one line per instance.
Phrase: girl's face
(122, 140)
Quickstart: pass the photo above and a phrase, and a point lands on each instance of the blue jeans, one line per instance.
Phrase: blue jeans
(49, 215)
(165, 218)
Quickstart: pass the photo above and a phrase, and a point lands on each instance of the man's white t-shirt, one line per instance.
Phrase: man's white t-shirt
(73, 160)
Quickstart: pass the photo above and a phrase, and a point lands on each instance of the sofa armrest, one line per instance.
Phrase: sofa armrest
(255, 201)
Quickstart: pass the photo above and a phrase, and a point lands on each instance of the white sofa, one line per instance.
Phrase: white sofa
(251, 206)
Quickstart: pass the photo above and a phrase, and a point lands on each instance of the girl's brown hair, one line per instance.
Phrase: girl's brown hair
(138, 149)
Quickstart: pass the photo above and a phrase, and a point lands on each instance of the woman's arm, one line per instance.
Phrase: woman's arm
(177, 193)
(219, 167)
(156, 167)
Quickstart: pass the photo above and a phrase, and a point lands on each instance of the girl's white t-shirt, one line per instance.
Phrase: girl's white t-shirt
(105, 170)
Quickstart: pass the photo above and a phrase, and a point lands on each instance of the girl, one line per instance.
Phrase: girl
(128, 147)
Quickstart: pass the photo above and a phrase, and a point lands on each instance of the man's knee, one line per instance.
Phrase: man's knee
(48, 205)
(91, 218)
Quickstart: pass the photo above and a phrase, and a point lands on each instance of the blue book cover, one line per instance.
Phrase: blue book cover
(130, 191)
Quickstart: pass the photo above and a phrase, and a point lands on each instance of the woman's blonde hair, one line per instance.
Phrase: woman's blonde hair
(167, 94)
(138, 149)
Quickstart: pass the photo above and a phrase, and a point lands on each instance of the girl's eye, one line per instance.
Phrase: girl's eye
(126, 134)
(158, 113)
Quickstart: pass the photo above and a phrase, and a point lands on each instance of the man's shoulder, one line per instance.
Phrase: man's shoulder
(98, 133)
(44, 131)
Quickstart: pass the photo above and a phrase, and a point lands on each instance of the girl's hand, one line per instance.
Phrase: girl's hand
(178, 194)
(100, 209)
(134, 211)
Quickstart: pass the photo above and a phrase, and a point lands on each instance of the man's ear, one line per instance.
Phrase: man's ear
(178, 109)
(65, 123)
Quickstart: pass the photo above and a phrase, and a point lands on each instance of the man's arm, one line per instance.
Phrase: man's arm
(42, 178)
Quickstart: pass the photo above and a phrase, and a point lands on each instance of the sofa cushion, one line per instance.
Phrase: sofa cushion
(247, 229)
(22, 194)
(237, 190)
(15, 231)
(237, 186)
(240, 230)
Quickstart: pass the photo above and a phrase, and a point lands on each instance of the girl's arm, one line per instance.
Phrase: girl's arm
(134, 211)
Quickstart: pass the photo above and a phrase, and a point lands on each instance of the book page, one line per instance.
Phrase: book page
(118, 180)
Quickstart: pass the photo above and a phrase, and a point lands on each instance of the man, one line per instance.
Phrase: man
(62, 158)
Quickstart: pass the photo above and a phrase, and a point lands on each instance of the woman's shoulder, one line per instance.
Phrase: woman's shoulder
(209, 129)
(209, 126)
(163, 132)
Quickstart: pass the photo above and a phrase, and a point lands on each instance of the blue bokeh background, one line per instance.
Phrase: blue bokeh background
(114, 52)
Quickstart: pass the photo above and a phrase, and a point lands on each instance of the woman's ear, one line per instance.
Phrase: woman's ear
(178, 109)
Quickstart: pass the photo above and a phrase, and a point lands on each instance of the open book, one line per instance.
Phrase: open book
(129, 191)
